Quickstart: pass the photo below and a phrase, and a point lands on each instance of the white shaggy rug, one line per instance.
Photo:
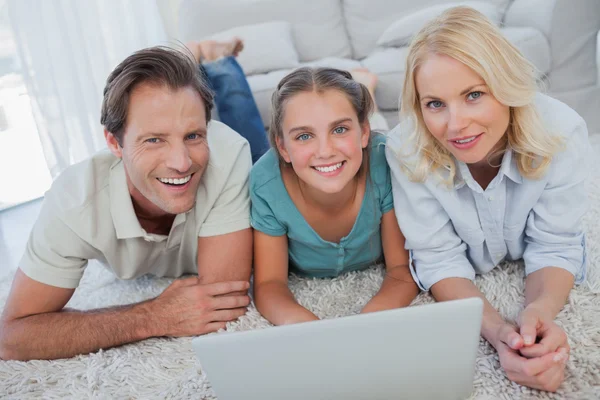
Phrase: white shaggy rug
(167, 368)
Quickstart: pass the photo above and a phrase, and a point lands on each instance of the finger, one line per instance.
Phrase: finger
(537, 350)
(219, 288)
(528, 324)
(213, 327)
(551, 379)
(509, 336)
(228, 302)
(227, 315)
(552, 339)
(535, 366)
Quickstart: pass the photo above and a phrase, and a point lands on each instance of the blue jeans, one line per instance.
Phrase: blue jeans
(235, 103)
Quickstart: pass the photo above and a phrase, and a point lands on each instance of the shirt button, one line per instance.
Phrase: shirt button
(498, 255)
(491, 198)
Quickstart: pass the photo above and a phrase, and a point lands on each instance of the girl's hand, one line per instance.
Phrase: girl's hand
(375, 304)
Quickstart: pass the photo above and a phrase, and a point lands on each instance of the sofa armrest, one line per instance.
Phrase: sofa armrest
(571, 28)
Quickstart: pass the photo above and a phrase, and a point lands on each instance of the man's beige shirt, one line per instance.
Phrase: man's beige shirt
(88, 214)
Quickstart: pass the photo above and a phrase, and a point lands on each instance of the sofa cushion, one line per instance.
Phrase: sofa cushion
(400, 33)
(533, 45)
(263, 85)
(366, 20)
(347, 64)
(389, 66)
(390, 63)
(267, 47)
(317, 25)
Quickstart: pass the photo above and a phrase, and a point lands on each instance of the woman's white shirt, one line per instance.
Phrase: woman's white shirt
(463, 230)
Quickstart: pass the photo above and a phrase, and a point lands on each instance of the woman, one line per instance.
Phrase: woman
(485, 169)
(322, 197)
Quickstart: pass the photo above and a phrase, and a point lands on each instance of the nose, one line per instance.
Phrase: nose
(457, 120)
(325, 149)
(178, 158)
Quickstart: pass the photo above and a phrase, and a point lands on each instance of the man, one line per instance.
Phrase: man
(170, 198)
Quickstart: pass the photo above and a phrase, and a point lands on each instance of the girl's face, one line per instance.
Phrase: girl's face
(459, 110)
(323, 139)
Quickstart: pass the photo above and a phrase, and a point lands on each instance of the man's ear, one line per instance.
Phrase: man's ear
(284, 154)
(113, 144)
(365, 133)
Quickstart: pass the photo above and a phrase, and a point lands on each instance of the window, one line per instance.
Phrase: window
(24, 174)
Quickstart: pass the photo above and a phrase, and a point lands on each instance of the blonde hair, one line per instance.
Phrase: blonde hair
(467, 36)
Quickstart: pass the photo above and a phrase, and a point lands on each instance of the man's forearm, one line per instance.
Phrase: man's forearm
(461, 288)
(547, 289)
(68, 333)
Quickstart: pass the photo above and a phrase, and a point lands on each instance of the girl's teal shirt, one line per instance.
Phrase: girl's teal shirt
(274, 213)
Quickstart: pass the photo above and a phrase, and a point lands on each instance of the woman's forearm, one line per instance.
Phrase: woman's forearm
(461, 288)
(276, 303)
(547, 290)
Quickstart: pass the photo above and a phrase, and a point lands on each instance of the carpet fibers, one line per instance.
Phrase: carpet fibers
(164, 368)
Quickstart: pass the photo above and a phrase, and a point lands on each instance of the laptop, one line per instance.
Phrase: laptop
(419, 353)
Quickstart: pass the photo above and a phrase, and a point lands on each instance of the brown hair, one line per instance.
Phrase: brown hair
(308, 79)
(158, 65)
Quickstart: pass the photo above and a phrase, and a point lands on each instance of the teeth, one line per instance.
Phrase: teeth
(176, 181)
(466, 140)
(331, 168)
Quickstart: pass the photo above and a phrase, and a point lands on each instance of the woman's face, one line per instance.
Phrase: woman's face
(459, 110)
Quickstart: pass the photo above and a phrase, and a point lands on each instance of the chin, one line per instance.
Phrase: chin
(176, 207)
(468, 158)
(180, 209)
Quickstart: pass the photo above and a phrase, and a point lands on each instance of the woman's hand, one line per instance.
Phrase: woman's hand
(535, 324)
(545, 372)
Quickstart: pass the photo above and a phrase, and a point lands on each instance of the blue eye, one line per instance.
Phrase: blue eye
(192, 136)
(340, 129)
(435, 104)
(152, 140)
(303, 137)
(474, 95)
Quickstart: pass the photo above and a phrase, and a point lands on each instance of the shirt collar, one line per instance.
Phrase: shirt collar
(125, 221)
(121, 206)
(508, 168)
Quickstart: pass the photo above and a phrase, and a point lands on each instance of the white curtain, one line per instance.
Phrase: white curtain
(67, 49)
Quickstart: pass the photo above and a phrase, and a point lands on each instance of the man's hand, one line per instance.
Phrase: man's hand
(534, 324)
(545, 372)
(188, 308)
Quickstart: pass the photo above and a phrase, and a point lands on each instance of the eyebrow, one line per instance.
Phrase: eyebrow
(199, 131)
(307, 128)
(467, 90)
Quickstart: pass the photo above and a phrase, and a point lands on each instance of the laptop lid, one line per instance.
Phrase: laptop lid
(419, 352)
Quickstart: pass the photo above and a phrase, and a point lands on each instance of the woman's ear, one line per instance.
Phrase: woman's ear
(281, 149)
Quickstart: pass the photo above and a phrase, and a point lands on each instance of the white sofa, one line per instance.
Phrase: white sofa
(559, 36)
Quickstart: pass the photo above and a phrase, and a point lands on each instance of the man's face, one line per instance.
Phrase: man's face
(164, 148)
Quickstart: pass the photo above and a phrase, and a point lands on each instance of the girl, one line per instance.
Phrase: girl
(321, 197)
(487, 169)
